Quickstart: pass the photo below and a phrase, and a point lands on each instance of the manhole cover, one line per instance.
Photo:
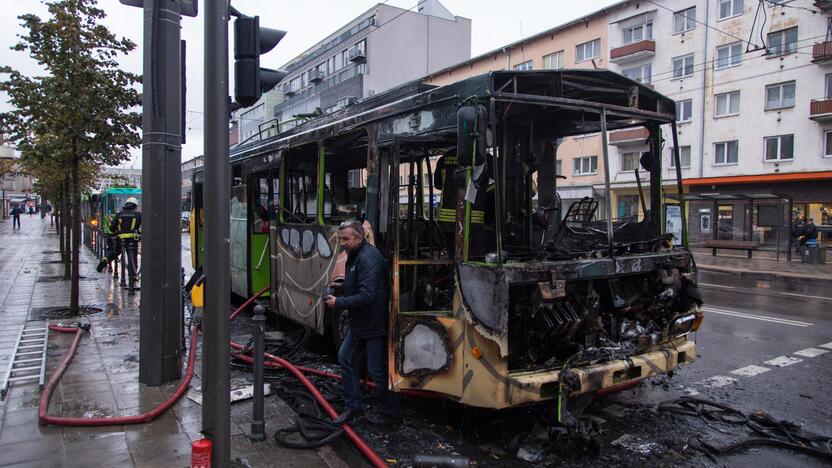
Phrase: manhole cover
(53, 279)
(63, 312)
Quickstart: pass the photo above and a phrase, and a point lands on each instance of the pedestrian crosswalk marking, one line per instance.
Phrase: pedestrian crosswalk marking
(810, 352)
(750, 371)
(718, 381)
(783, 361)
(827, 345)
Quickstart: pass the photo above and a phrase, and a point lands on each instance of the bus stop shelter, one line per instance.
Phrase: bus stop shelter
(774, 211)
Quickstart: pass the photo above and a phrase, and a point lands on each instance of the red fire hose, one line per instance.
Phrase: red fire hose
(46, 396)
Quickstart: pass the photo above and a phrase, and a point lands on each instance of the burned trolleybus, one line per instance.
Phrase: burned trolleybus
(500, 294)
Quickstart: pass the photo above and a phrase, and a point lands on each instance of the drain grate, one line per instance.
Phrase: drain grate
(54, 279)
(63, 312)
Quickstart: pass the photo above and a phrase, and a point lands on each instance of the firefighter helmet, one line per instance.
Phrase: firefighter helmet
(131, 201)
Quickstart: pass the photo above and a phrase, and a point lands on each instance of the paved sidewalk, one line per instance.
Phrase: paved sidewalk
(103, 378)
(764, 266)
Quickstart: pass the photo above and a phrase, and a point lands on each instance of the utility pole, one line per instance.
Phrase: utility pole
(160, 350)
(216, 408)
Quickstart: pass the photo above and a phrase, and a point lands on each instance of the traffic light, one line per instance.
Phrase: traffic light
(250, 40)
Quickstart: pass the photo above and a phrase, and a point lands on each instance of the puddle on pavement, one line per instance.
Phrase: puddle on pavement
(64, 312)
(54, 279)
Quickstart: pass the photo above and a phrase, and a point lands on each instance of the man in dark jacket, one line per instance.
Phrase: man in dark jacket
(810, 232)
(16, 211)
(365, 296)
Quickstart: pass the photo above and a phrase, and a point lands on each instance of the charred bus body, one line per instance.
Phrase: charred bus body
(500, 296)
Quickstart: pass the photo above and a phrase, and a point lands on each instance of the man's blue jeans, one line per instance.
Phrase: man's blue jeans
(349, 357)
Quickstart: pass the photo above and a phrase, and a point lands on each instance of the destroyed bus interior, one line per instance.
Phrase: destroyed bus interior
(501, 292)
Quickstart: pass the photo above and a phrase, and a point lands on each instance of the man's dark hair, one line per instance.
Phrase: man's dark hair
(355, 225)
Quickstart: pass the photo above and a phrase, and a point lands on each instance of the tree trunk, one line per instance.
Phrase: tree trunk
(66, 224)
(76, 231)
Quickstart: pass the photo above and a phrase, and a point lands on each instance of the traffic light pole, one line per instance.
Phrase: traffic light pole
(160, 350)
(216, 408)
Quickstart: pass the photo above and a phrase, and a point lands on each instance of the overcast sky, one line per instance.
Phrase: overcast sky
(494, 24)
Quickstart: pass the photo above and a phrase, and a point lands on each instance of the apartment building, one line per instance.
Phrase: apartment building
(380, 49)
(753, 105)
(14, 188)
(582, 43)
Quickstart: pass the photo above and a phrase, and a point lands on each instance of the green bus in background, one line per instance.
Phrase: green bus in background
(100, 208)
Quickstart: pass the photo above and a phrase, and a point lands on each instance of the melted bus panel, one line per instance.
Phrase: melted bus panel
(501, 294)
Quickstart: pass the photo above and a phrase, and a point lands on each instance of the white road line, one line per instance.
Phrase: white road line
(718, 381)
(825, 298)
(716, 286)
(764, 318)
(810, 352)
(783, 361)
(750, 371)
(827, 345)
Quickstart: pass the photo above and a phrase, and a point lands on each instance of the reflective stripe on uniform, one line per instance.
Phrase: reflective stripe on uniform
(129, 235)
(447, 215)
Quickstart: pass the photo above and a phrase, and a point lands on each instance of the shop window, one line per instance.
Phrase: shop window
(725, 220)
(628, 206)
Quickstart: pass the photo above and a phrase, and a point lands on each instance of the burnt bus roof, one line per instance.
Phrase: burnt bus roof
(579, 94)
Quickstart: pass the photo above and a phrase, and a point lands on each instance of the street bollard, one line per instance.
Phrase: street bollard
(258, 425)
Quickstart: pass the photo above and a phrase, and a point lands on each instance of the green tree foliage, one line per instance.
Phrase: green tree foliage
(81, 113)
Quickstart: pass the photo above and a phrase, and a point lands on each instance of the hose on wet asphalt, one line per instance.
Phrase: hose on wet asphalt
(768, 430)
(46, 396)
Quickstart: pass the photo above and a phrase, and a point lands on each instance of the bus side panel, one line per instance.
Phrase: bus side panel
(238, 239)
(303, 257)
(260, 268)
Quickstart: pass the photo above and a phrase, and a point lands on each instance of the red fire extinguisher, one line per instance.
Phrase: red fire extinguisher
(201, 453)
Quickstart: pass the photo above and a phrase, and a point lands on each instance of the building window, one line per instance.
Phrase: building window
(588, 50)
(684, 110)
(559, 167)
(729, 55)
(527, 65)
(585, 165)
(780, 95)
(729, 8)
(553, 61)
(627, 206)
(638, 32)
(727, 104)
(629, 161)
(827, 149)
(641, 73)
(780, 148)
(684, 20)
(727, 152)
(683, 66)
(828, 94)
(783, 42)
(684, 156)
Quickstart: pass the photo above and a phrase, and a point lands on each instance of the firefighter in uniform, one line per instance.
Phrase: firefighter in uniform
(125, 225)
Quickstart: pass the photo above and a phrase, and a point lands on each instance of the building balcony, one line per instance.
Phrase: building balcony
(822, 52)
(824, 5)
(632, 136)
(635, 51)
(820, 110)
(315, 76)
(357, 55)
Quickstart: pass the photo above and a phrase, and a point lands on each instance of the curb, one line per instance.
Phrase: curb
(763, 275)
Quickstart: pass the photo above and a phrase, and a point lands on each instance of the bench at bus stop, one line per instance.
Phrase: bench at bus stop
(748, 246)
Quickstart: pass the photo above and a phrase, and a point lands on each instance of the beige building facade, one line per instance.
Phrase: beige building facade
(582, 43)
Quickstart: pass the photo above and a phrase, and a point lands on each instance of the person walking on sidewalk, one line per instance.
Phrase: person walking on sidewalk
(365, 296)
(125, 225)
(16, 211)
